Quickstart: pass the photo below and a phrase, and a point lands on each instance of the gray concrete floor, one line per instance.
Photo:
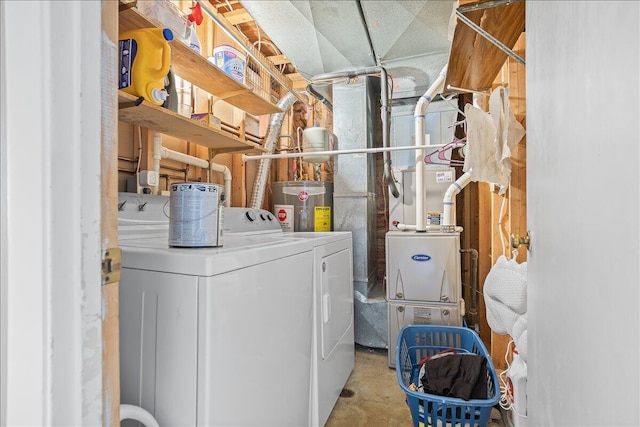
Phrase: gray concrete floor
(377, 399)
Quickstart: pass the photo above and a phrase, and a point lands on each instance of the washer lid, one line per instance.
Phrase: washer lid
(239, 251)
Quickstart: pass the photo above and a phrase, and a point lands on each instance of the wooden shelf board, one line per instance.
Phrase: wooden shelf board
(474, 61)
(169, 123)
(195, 68)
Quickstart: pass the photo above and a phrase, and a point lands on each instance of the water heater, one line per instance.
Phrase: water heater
(303, 205)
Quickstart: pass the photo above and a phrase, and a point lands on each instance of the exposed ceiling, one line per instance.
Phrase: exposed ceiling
(410, 38)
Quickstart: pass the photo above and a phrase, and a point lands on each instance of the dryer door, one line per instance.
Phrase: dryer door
(336, 298)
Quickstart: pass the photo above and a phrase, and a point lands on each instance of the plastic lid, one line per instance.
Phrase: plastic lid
(159, 95)
(168, 34)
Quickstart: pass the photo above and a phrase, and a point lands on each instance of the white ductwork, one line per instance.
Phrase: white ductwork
(449, 202)
(420, 139)
(273, 134)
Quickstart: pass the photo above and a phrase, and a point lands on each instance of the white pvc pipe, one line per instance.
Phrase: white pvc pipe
(157, 155)
(420, 139)
(246, 158)
(136, 413)
(167, 153)
(410, 227)
(449, 201)
(227, 180)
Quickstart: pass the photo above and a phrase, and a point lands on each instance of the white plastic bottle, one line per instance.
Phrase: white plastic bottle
(194, 41)
(517, 382)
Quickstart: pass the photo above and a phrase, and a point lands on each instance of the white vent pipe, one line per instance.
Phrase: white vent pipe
(273, 134)
(160, 152)
(420, 139)
(136, 413)
(449, 201)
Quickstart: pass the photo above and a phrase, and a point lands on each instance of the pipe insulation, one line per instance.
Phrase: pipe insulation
(420, 139)
(273, 134)
(449, 202)
(385, 110)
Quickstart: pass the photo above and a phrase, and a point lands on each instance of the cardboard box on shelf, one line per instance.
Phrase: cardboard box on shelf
(207, 119)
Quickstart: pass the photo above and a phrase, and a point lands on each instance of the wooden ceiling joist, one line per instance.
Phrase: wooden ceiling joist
(279, 59)
(238, 16)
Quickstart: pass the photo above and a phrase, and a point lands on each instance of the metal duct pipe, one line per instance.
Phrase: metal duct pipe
(273, 133)
(385, 110)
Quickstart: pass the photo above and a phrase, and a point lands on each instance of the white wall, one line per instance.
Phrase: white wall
(50, 206)
(583, 212)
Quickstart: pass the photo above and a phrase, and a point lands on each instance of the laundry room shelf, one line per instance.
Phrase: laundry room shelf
(474, 61)
(169, 123)
(195, 68)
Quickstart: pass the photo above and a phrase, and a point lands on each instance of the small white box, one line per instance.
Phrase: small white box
(149, 179)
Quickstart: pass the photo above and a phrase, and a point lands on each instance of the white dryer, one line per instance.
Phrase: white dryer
(333, 354)
(215, 336)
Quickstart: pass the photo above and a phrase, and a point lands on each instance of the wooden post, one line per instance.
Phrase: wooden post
(109, 197)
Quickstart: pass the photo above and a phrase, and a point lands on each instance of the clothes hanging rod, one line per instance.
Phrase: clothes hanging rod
(485, 5)
(246, 158)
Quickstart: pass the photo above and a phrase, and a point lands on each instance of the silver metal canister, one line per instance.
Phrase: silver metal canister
(196, 215)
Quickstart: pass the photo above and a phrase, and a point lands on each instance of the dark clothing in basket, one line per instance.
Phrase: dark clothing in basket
(456, 375)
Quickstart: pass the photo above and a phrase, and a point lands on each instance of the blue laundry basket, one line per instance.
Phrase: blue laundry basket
(418, 341)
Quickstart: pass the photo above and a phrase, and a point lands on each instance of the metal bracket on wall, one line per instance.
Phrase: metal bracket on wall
(479, 6)
(111, 265)
(130, 104)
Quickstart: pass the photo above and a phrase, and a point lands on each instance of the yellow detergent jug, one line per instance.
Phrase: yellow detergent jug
(145, 56)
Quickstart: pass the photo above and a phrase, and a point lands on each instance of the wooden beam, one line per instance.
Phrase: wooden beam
(238, 16)
(223, 3)
(279, 59)
(109, 225)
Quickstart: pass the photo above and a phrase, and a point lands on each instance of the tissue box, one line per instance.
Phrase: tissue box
(206, 119)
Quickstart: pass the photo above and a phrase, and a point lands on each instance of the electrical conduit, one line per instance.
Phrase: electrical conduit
(420, 139)
(473, 310)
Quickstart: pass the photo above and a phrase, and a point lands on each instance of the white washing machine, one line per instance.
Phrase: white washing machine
(278, 301)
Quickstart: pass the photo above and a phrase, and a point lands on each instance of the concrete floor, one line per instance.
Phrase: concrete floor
(377, 400)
